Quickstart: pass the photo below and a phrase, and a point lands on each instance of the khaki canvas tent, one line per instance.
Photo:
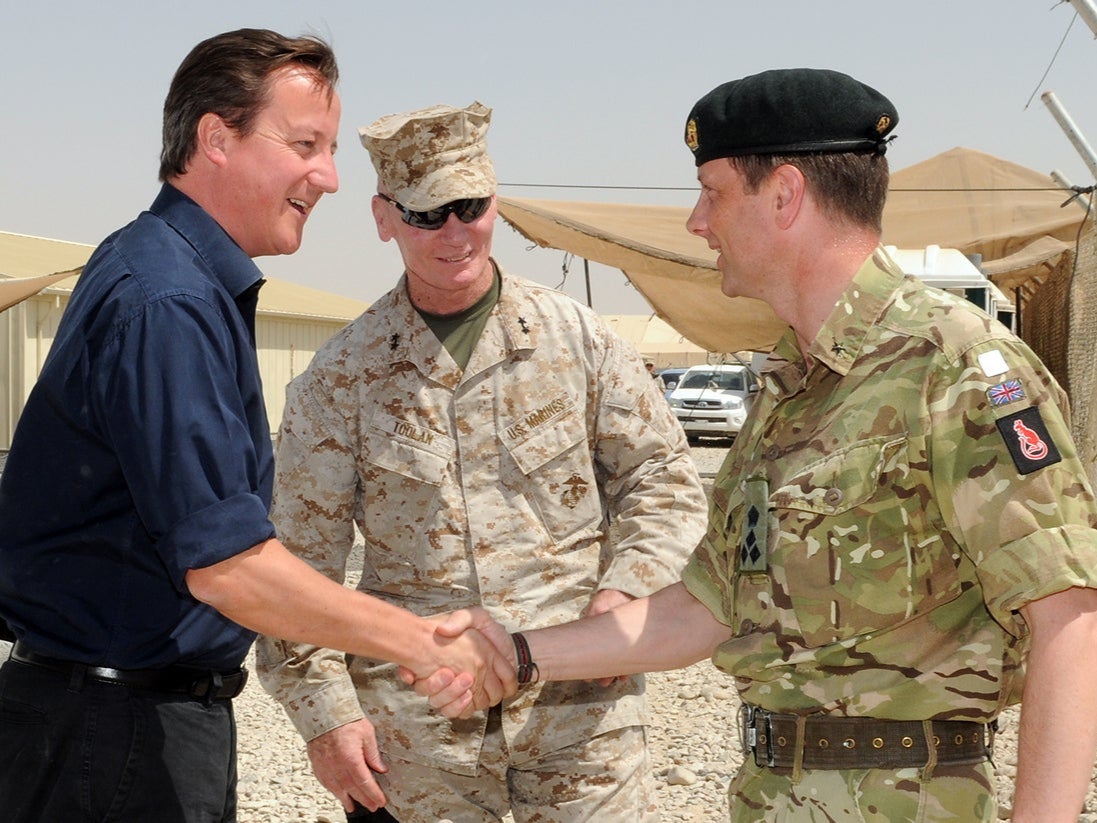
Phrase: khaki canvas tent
(16, 291)
(674, 270)
(31, 264)
(657, 340)
(1010, 215)
(1016, 219)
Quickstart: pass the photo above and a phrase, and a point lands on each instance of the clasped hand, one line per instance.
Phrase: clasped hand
(453, 692)
(467, 642)
(452, 688)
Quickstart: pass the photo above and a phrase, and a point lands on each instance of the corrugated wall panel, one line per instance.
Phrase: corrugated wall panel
(285, 348)
(28, 329)
(11, 323)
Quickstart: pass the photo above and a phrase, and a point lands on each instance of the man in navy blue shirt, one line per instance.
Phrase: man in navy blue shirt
(137, 559)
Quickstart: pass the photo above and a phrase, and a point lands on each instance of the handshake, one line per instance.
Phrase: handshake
(478, 663)
(475, 664)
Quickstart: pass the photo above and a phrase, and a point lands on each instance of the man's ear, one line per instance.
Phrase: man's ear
(382, 215)
(789, 188)
(213, 136)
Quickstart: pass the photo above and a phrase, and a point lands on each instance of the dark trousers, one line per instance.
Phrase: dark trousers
(363, 815)
(73, 750)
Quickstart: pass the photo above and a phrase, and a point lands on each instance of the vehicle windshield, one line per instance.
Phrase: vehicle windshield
(725, 381)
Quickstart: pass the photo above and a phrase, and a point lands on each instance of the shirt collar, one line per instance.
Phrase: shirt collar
(409, 338)
(226, 260)
(843, 334)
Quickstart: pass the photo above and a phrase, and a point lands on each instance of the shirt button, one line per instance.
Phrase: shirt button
(773, 452)
(833, 497)
(746, 627)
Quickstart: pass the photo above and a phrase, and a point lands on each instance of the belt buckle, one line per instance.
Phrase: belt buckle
(205, 686)
(748, 737)
(748, 733)
(212, 686)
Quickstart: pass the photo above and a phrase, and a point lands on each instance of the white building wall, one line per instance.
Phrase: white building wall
(28, 330)
(286, 347)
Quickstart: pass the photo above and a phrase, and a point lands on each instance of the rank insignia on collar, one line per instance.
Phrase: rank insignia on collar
(1008, 392)
(1027, 438)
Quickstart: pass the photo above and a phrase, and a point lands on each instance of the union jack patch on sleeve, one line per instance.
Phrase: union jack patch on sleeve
(1008, 392)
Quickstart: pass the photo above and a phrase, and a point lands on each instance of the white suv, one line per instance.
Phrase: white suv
(713, 400)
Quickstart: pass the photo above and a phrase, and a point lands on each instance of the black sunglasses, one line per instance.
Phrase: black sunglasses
(466, 211)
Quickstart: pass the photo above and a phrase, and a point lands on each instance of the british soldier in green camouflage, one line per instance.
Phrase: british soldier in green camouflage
(901, 543)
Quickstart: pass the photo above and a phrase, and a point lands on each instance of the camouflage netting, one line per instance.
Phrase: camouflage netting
(1082, 348)
(1059, 321)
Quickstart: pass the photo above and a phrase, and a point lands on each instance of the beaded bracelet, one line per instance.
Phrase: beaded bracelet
(527, 669)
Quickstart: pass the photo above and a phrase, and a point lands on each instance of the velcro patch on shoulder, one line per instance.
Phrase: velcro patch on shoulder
(1028, 441)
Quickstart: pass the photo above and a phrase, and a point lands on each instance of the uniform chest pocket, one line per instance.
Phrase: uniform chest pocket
(846, 546)
(555, 474)
(402, 468)
(842, 480)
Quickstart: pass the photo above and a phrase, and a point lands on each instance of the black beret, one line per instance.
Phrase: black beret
(789, 111)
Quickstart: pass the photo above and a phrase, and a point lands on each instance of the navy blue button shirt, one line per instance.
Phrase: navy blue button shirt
(143, 451)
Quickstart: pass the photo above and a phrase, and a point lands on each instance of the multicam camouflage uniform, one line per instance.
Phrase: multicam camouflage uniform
(897, 538)
(493, 487)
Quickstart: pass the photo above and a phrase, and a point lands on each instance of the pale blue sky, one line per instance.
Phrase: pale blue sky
(584, 93)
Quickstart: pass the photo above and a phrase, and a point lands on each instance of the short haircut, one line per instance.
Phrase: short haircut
(849, 186)
(228, 75)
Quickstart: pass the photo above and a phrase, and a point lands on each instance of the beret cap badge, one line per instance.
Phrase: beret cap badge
(691, 135)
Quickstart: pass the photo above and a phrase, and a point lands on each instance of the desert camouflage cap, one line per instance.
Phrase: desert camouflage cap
(432, 156)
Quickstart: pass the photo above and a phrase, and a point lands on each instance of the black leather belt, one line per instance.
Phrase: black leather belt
(824, 742)
(201, 684)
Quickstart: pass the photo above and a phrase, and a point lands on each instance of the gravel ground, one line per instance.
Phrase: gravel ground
(694, 745)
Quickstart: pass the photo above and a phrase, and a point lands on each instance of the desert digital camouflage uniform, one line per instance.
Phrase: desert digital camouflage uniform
(493, 486)
(900, 538)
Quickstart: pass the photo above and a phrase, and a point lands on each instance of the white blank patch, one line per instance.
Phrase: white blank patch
(993, 363)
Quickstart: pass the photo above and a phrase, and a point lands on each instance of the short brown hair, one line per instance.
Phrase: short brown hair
(228, 75)
(850, 186)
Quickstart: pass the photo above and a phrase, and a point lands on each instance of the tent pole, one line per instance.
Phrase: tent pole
(1071, 130)
(1087, 11)
(586, 273)
(1079, 199)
